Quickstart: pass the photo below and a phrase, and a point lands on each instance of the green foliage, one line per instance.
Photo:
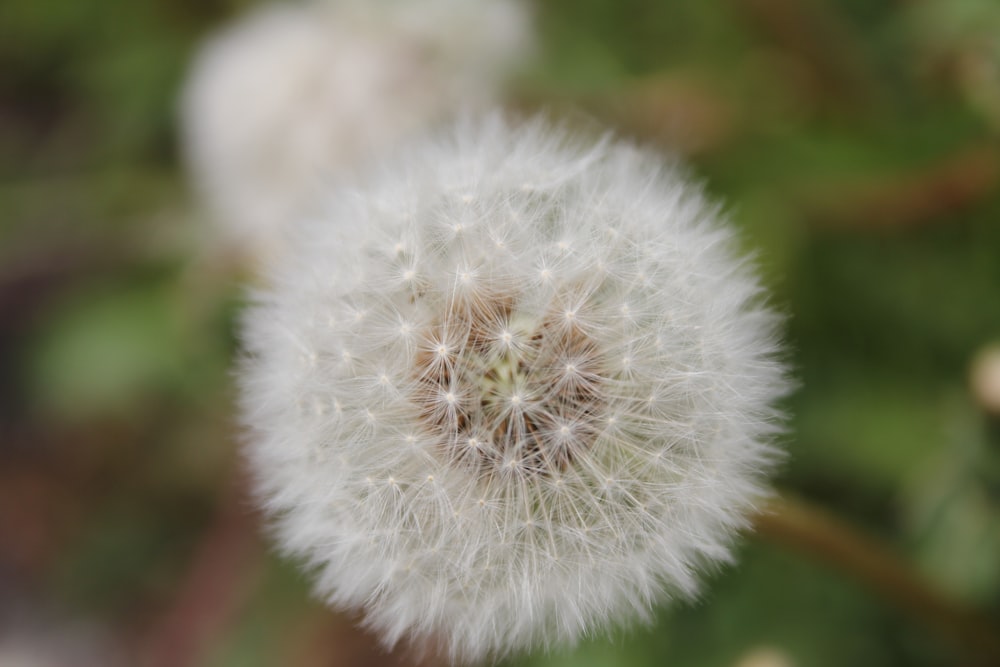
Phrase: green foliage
(107, 352)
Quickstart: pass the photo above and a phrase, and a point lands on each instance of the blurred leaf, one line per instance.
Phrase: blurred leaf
(104, 352)
(867, 431)
(953, 516)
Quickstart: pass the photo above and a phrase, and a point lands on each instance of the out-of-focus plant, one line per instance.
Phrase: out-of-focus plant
(292, 96)
(962, 39)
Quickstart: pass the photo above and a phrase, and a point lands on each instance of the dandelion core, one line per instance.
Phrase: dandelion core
(502, 388)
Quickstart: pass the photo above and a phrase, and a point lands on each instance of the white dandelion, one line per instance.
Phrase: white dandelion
(292, 95)
(513, 391)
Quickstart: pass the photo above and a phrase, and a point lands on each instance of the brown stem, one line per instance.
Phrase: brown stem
(910, 198)
(795, 524)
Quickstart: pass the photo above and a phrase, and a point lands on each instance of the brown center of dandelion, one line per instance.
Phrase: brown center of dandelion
(504, 389)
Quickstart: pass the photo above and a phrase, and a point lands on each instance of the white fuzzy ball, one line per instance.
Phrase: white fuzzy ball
(293, 95)
(513, 390)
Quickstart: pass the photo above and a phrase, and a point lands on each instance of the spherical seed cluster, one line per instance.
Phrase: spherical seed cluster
(513, 390)
(293, 94)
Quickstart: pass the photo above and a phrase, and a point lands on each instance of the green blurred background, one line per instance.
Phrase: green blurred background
(855, 143)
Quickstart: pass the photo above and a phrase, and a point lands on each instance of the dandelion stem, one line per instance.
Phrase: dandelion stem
(798, 525)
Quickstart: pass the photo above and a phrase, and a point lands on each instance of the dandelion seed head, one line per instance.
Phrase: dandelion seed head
(549, 467)
(292, 95)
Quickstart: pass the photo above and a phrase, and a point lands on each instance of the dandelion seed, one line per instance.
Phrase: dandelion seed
(573, 471)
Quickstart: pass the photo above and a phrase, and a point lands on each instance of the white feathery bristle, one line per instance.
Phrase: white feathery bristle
(293, 95)
(512, 391)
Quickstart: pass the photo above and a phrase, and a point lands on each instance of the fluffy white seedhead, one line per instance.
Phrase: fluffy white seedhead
(512, 391)
(293, 94)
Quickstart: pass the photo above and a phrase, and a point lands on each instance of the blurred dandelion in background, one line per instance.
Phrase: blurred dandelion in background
(293, 95)
(513, 390)
(984, 377)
